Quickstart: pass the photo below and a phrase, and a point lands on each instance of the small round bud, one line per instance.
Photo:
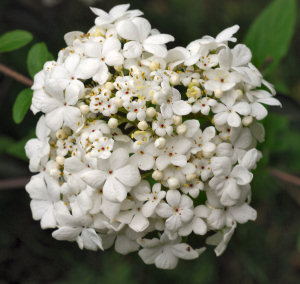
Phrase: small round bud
(196, 82)
(181, 129)
(112, 123)
(173, 182)
(218, 93)
(239, 94)
(157, 175)
(84, 109)
(150, 112)
(118, 102)
(160, 143)
(175, 79)
(60, 160)
(54, 173)
(60, 134)
(208, 150)
(247, 120)
(190, 177)
(177, 119)
(154, 65)
(142, 125)
(109, 86)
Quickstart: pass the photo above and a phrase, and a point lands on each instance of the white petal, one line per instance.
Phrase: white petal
(124, 245)
(242, 175)
(173, 197)
(159, 39)
(166, 260)
(55, 118)
(132, 49)
(127, 30)
(158, 50)
(162, 162)
(94, 178)
(87, 68)
(234, 120)
(181, 108)
(241, 55)
(118, 159)
(184, 251)
(243, 213)
(199, 226)
(66, 233)
(113, 190)
(128, 175)
(139, 223)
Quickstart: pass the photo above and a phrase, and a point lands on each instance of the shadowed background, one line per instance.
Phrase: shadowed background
(265, 251)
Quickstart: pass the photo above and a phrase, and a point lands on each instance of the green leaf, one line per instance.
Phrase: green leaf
(14, 40)
(270, 35)
(22, 105)
(36, 58)
(18, 150)
(5, 142)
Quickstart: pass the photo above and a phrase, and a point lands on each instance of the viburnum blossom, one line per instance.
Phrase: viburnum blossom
(139, 146)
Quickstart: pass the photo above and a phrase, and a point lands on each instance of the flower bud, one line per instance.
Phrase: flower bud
(118, 102)
(112, 123)
(175, 79)
(181, 129)
(150, 112)
(154, 65)
(208, 150)
(218, 93)
(239, 94)
(142, 125)
(190, 177)
(60, 160)
(247, 120)
(60, 134)
(157, 175)
(160, 143)
(54, 173)
(173, 182)
(177, 119)
(84, 109)
(196, 82)
(109, 86)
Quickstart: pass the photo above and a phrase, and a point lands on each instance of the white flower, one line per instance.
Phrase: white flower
(38, 149)
(164, 253)
(115, 175)
(138, 32)
(178, 210)
(226, 181)
(44, 192)
(173, 153)
(152, 198)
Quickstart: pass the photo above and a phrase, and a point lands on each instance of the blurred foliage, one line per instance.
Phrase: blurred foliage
(266, 251)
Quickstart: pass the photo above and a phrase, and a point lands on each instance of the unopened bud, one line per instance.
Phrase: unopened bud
(181, 129)
(239, 94)
(157, 175)
(109, 85)
(150, 112)
(84, 109)
(112, 123)
(60, 134)
(177, 119)
(60, 160)
(175, 79)
(196, 82)
(218, 93)
(208, 150)
(118, 102)
(160, 143)
(173, 182)
(142, 125)
(247, 120)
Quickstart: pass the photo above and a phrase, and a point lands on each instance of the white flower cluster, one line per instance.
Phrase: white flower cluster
(121, 156)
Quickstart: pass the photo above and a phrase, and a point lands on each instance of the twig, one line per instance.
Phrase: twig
(13, 183)
(285, 177)
(17, 76)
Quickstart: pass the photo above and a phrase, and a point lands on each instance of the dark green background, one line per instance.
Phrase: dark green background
(265, 251)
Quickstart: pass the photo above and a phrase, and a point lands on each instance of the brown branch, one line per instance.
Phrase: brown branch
(285, 177)
(14, 183)
(15, 75)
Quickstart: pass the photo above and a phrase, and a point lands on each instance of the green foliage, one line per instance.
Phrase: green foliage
(22, 105)
(270, 35)
(14, 40)
(37, 56)
(5, 142)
